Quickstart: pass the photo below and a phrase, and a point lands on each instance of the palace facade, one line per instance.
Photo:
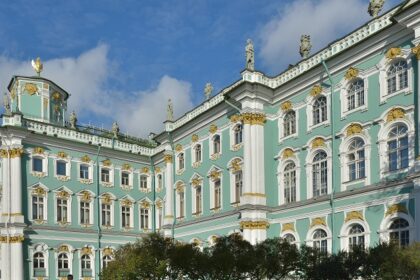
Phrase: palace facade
(326, 153)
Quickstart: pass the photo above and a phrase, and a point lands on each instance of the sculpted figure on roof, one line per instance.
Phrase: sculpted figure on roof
(170, 111)
(305, 46)
(208, 89)
(375, 6)
(249, 51)
(115, 129)
(73, 120)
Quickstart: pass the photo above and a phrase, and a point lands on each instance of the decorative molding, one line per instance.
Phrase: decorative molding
(215, 174)
(86, 251)
(62, 154)
(85, 196)
(107, 252)
(158, 169)
(236, 165)
(288, 226)
(396, 208)
(31, 88)
(235, 118)
(395, 114)
(63, 194)
(145, 170)
(12, 239)
(416, 51)
(393, 53)
(106, 199)
(38, 150)
(196, 164)
(351, 73)
(319, 221)
(253, 118)
(354, 128)
(196, 182)
(179, 187)
(85, 159)
(254, 225)
(254, 194)
(213, 128)
(38, 191)
(126, 167)
(318, 142)
(178, 148)
(107, 163)
(167, 158)
(288, 153)
(194, 138)
(215, 156)
(354, 215)
(316, 90)
(63, 248)
(286, 106)
(126, 202)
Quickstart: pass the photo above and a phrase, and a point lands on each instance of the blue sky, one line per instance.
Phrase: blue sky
(122, 59)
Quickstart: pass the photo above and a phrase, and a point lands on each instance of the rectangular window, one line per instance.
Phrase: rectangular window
(238, 186)
(144, 218)
(62, 210)
(84, 171)
(37, 208)
(37, 164)
(84, 213)
(198, 200)
(181, 204)
(217, 194)
(61, 168)
(125, 217)
(105, 175)
(143, 182)
(106, 214)
(125, 178)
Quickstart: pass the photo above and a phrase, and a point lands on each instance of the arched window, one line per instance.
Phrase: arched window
(237, 131)
(289, 124)
(290, 182)
(320, 240)
(356, 159)
(181, 161)
(356, 236)
(198, 197)
(398, 147)
(319, 112)
(356, 94)
(289, 238)
(397, 76)
(399, 232)
(86, 266)
(320, 174)
(39, 264)
(63, 265)
(105, 261)
(197, 153)
(216, 144)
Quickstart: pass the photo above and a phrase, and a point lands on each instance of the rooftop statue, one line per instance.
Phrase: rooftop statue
(375, 6)
(170, 111)
(305, 46)
(115, 129)
(6, 104)
(249, 51)
(73, 120)
(37, 65)
(208, 90)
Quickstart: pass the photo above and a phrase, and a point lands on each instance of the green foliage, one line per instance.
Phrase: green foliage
(232, 258)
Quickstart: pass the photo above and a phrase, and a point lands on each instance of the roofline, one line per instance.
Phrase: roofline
(38, 78)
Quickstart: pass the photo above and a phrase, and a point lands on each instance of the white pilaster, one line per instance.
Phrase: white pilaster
(16, 260)
(169, 203)
(247, 165)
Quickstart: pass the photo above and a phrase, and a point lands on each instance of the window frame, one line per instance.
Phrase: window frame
(309, 167)
(31, 194)
(58, 196)
(344, 91)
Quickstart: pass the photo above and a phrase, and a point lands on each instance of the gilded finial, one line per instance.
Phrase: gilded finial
(37, 65)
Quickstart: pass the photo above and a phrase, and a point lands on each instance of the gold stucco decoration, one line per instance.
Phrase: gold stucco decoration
(85, 196)
(56, 96)
(286, 106)
(178, 148)
(179, 187)
(63, 194)
(213, 128)
(63, 248)
(416, 51)
(38, 150)
(12, 239)
(85, 158)
(145, 170)
(106, 199)
(126, 202)
(167, 158)
(316, 90)
(159, 204)
(13, 93)
(354, 215)
(107, 163)
(393, 53)
(253, 118)
(253, 194)
(108, 252)
(194, 138)
(254, 225)
(196, 182)
(395, 114)
(236, 165)
(288, 153)
(144, 204)
(319, 221)
(126, 166)
(353, 128)
(31, 88)
(86, 251)
(13, 153)
(396, 208)
(158, 169)
(318, 142)
(288, 226)
(38, 191)
(61, 155)
(236, 118)
(215, 174)
(351, 73)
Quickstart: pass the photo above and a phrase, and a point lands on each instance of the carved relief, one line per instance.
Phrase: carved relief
(395, 114)
(318, 142)
(316, 90)
(236, 165)
(354, 129)
(351, 73)
(254, 225)
(393, 53)
(319, 221)
(396, 208)
(288, 153)
(286, 106)
(288, 226)
(354, 215)
(167, 158)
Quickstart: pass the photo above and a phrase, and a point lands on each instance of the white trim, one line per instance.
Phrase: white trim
(232, 174)
(308, 167)
(309, 236)
(112, 208)
(310, 100)
(212, 154)
(344, 232)
(45, 203)
(149, 214)
(387, 221)
(280, 176)
(131, 212)
(91, 208)
(69, 204)
(280, 124)
(344, 92)
(111, 175)
(39, 248)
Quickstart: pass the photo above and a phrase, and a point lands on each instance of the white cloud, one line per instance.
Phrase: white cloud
(324, 20)
(85, 78)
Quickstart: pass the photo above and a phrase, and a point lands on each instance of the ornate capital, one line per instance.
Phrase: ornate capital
(353, 128)
(319, 221)
(351, 73)
(393, 53)
(354, 215)
(13, 153)
(288, 153)
(286, 106)
(396, 208)
(318, 142)
(288, 226)
(236, 118)
(395, 114)
(12, 239)
(254, 224)
(253, 118)
(416, 51)
(316, 90)
(167, 158)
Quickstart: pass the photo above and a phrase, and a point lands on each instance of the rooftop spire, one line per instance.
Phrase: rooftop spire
(37, 65)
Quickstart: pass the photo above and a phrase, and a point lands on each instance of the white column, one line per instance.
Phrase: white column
(247, 164)
(5, 258)
(6, 184)
(16, 258)
(416, 193)
(169, 203)
(16, 183)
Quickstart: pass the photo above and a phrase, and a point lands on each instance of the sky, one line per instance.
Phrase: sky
(122, 59)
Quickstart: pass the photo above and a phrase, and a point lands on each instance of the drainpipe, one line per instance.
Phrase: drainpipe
(152, 168)
(173, 189)
(332, 157)
(98, 212)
